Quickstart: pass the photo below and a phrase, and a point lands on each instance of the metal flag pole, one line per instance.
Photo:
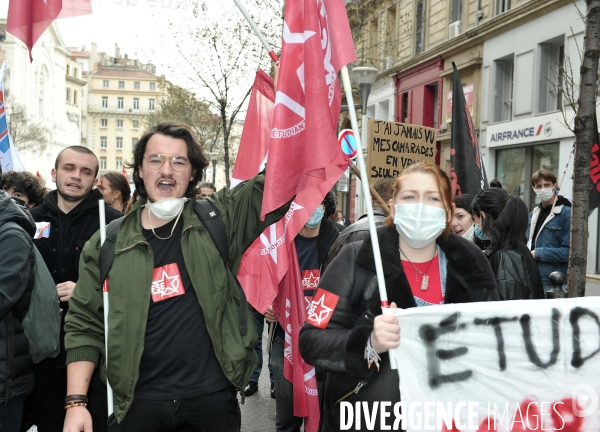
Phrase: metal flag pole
(257, 31)
(109, 392)
(365, 187)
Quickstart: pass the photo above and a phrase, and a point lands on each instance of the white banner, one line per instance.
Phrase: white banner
(528, 365)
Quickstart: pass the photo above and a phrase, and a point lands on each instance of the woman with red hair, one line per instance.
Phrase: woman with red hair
(424, 264)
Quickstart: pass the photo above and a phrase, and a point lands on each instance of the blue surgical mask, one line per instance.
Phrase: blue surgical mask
(480, 234)
(316, 217)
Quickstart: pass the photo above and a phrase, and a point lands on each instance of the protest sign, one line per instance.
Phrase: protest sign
(501, 366)
(392, 147)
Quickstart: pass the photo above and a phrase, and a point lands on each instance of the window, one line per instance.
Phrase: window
(404, 118)
(68, 69)
(503, 89)
(119, 163)
(152, 86)
(120, 103)
(120, 124)
(102, 142)
(103, 123)
(374, 47)
(134, 141)
(81, 65)
(502, 6)
(75, 97)
(136, 104)
(136, 124)
(515, 166)
(68, 94)
(121, 84)
(136, 85)
(104, 102)
(75, 72)
(151, 104)
(103, 163)
(551, 74)
(105, 83)
(119, 143)
(456, 10)
(420, 27)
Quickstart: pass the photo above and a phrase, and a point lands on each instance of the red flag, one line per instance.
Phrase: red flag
(38, 175)
(28, 19)
(290, 307)
(595, 170)
(254, 143)
(124, 172)
(305, 158)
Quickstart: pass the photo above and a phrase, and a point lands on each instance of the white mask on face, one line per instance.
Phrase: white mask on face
(419, 224)
(167, 209)
(470, 233)
(545, 194)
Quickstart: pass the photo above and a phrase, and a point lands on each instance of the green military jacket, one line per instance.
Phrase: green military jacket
(130, 279)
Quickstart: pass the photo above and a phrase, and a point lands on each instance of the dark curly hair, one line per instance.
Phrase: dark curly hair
(26, 183)
(329, 204)
(195, 155)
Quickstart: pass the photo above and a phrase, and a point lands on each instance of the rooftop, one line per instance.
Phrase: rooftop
(123, 72)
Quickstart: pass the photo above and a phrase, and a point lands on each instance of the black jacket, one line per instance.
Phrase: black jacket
(517, 274)
(68, 234)
(16, 264)
(356, 232)
(339, 349)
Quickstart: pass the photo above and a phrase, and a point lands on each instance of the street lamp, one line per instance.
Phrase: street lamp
(365, 77)
(213, 159)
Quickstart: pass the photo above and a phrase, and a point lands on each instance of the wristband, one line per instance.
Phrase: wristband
(75, 404)
(79, 398)
(371, 355)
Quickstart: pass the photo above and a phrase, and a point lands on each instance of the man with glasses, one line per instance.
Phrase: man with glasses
(549, 232)
(176, 352)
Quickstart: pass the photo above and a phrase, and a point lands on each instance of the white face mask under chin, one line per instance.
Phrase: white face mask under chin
(166, 210)
(470, 233)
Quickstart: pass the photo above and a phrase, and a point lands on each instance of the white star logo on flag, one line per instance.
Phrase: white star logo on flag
(318, 311)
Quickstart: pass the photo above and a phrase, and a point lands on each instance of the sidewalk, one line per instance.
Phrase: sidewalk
(592, 287)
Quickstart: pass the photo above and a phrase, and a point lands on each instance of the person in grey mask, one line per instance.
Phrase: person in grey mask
(424, 263)
(177, 351)
(312, 246)
(549, 231)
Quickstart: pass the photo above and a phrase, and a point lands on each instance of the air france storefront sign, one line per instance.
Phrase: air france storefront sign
(541, 128)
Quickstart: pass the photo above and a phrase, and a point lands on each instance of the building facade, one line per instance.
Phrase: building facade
(121, 92)
(45, 87)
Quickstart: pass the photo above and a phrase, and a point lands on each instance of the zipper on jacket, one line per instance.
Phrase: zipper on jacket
(360, 385)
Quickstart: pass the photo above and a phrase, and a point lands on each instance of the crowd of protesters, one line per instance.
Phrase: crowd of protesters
(181, 342)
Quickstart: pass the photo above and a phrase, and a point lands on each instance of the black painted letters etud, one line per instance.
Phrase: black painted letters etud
(577, 361)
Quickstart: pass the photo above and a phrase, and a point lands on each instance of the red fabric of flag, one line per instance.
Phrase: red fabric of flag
(305, 158)
(309, 162)
(28, 19)
(291, 309)
(254, 143)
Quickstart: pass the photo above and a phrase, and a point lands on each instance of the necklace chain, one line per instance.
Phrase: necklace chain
(425, 277)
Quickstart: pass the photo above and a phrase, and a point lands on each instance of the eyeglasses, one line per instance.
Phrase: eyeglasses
(156, 161)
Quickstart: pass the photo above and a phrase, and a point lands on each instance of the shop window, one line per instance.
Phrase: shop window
(551, 74)
(404, 118)
(503, 89)
(515, 166)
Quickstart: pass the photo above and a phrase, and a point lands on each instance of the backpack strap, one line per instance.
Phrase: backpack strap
(10, 362)
(212, 220)
(107, 252)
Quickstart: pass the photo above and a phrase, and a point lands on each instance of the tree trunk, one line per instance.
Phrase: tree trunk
(584, 123)
(226, 130)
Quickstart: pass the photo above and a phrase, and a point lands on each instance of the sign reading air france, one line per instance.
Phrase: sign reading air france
(538, 128)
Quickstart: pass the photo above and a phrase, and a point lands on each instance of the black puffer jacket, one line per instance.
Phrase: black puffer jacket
(16, 261)
(68, 234)
(517, 274)
(339, 349)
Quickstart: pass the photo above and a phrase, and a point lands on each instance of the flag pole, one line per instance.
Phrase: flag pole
(109, 392)
(365, 187)
(257, 31)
